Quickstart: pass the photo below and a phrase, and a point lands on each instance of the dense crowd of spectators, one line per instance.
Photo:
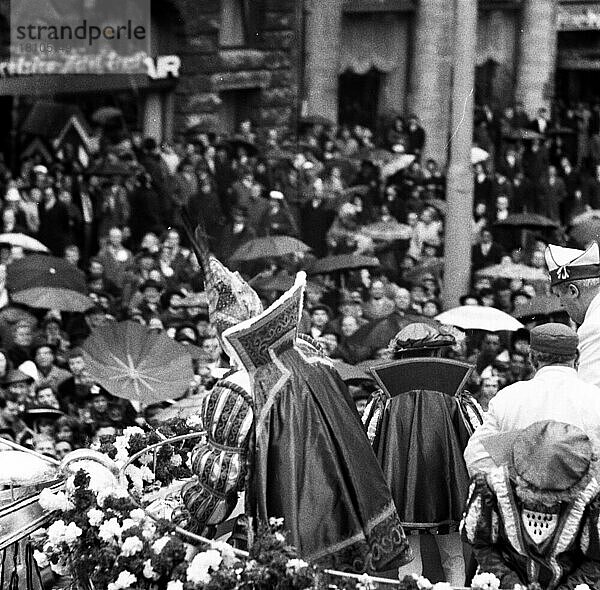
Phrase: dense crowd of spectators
(338, 189)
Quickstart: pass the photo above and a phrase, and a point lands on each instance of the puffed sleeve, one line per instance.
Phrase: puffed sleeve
(588, 568)
(220, 462)
(479, 528)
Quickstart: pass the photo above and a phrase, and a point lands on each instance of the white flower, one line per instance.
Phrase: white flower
(198, 571)
(148, 570)
(145, 459)
(275, 522)
(442, 586)
(117, 492)
(582, 587)
(226, 551)
(41, 559)
(279, 537)
(71, 533)
(128, 523)
(159, 544)
(51, 501)
(135, 475)
(193, 420)
(110, 530)
(131, 546)
(176, 460)
(365, 583)
(423, 583)
(175, 585)
(125, 580)
(56, 532)
(137, 514)
(146, 473)
(295, 565)
(130, 431)
(486, 581)
(60, 568)
(95, 516)
(149, 530)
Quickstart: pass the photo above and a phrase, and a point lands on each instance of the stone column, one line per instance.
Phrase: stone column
(392, 96)
(457, 253)
(537, 53)
(430, 74)
(323, 39)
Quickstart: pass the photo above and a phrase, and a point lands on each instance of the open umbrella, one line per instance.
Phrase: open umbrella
(478, 155)
(400, 162)
(375, 155)
(23, 241)
(586, 232)
(239, 142)
(387, 231)
(269, 247)
(542, 305)
(316, 120)
(513, 271)
(527, 221)
(478, 317)
(47, 282)
(342, 262)
(105, 114)
(132, 362)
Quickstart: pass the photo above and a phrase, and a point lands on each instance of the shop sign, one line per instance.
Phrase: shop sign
(578, 18)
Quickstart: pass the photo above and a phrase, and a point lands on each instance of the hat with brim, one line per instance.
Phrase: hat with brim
(16, 376)
(34, 415)
(570, 264)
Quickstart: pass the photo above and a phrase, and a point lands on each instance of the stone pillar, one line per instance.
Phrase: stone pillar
(168, 116)
(392, 96)
(430, 74)
(537, 53)
(323, 39)
(457, 254)
(153, 116)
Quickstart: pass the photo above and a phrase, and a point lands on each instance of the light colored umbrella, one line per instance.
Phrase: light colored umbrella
(387, 231)
(23, 241)
(510, 270)
(132, 362)
(478, 317)
(400, 162)
(478, 155)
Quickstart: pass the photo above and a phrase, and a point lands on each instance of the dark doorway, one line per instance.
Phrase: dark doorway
(358, 97)
(573, 86)
(238, 106)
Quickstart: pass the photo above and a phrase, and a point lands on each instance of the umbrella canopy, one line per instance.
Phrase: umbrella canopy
(269, 247)
(527, 221)
(23, 241)
(238, 142)
(132, 362)
(351, 372)
(342, 262)
(513, 271)
(387, 231)
(316, 120)
(105, 114)
(375, 155)
(478, 155)
(478, 317)
(586, 232)
(400, 162)
(542, 305)
(47, 282)
(522, 134)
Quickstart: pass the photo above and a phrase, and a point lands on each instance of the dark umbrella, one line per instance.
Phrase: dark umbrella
(316, 120)
(522, 134)
(105, 114)
(342, 262)
(132, 362)
(47, 282)
(269, 247)
(238, 142)
(527, 221)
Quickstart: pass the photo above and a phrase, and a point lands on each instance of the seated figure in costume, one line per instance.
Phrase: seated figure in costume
(283, 428)
(535, 518)
(419, 423)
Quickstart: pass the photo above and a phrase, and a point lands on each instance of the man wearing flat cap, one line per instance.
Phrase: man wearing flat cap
(575, 279)
(556, 392)
(534, 519)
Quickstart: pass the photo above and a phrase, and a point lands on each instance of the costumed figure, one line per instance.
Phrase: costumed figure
(575, 278)
(284, 429)
(535, 519)
(419, 424)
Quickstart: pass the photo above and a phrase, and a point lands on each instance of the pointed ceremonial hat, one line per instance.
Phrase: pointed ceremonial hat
(570, 264)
